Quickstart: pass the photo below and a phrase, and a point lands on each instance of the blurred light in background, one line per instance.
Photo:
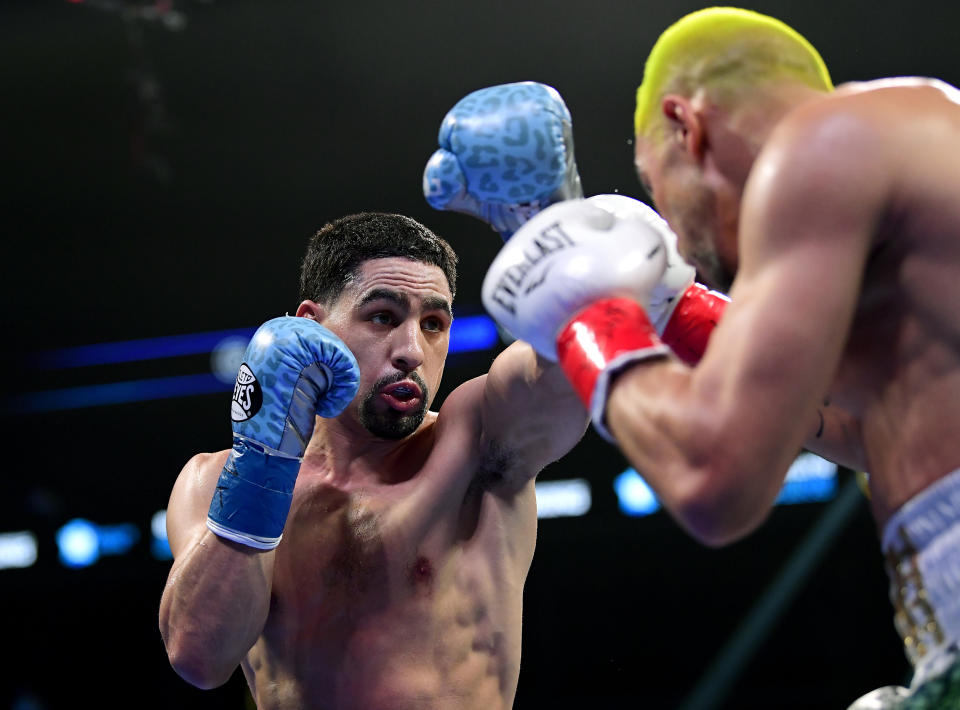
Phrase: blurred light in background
(159, 545)
(81, 543)
(17, 549)
(810, 479)
(469, 333)
(77, 543)
(634, 496)
(569, 498)
(226, 358)
(226, 348)
(113, 393)
(135, 350)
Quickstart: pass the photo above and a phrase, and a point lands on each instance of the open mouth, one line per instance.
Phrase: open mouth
(403, 396)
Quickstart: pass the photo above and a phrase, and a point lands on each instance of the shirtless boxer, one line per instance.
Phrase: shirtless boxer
(833, 218)
(372, 557)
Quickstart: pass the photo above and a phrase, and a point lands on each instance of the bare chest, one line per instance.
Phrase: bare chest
(347, 554)
(900, 370)
(383, 596)
(905, 327)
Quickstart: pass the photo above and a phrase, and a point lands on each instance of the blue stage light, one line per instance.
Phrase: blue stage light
(80, 543)
(809, 480)
(114, 393)
(134, 350)
(634, 496)
(77, 543)
(468, 333)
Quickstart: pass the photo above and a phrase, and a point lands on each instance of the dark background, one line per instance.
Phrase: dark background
(161, 181)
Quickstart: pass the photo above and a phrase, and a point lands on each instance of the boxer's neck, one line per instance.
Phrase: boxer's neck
(347, 455)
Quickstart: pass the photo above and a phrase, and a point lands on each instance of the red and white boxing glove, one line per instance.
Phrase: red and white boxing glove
(683, 311)
(573, 282)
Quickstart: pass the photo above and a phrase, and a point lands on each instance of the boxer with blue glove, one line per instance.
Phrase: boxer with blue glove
(331, 553)
(293, 371)
(506, 152)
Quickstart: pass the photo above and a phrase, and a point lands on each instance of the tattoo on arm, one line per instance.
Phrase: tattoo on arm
(826, 403)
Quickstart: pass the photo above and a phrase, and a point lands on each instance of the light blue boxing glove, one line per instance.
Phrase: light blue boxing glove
(293, 370)
(506, 152)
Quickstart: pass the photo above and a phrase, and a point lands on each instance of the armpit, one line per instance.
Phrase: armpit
(496, 463)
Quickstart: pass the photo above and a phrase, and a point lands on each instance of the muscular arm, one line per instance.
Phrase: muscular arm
(529, 413)
(217, 594)
(715, 441)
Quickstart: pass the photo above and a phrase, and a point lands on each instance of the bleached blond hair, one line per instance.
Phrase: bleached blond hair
(726, 52)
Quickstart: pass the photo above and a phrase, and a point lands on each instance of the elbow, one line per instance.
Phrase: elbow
(197, 671)
(717, 508)
(195, 663)
(711, 529)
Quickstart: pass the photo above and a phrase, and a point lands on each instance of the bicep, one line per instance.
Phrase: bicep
(807, 227)
(530, 409)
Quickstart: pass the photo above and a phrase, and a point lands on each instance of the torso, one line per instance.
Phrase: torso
(900, 373)
(402, 593)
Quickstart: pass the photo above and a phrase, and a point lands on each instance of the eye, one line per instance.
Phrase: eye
(381, 318)
(432, 324)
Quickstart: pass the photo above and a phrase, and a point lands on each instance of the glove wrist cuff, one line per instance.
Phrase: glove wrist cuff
(694, 317)
(597, 343)
(253, 495)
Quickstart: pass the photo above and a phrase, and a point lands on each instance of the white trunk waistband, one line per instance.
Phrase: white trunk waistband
(921, 546)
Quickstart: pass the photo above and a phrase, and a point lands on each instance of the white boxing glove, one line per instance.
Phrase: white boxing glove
(683, 311)
(565, 258)
(678, 275)
(573, 282)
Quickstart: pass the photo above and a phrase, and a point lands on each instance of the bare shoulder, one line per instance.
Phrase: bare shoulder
(861, 123)
(199, 475)
(827, 171)
(191, 495)
(462, 407)
(826, 134)
(898, 88)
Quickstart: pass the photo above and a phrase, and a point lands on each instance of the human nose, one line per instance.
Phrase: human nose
(407, 348)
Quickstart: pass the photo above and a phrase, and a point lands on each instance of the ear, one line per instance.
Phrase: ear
(686, 124)
(311, 310)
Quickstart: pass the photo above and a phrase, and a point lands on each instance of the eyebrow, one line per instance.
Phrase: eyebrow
(401, 300)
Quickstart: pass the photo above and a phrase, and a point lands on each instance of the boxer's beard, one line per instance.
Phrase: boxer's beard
(391, 424)
(697, 214)
(711, 271)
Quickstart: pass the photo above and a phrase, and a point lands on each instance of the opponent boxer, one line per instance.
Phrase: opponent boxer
(355, 549)
(832, 217)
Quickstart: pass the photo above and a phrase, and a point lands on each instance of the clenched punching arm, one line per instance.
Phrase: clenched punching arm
(573, 283)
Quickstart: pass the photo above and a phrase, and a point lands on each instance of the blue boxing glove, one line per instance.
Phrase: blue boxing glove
(506, 152)
(294, 369)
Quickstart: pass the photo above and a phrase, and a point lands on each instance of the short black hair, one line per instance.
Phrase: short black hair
(336, 252)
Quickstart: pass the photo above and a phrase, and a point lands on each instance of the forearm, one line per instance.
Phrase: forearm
(213, 607)
(715, 481)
